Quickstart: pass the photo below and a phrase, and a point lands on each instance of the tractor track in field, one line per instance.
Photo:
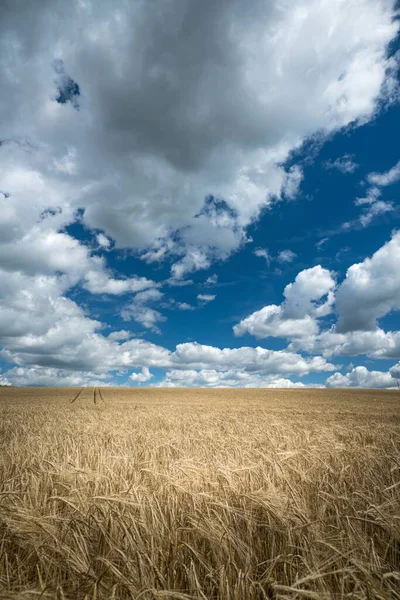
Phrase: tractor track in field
(97, 395)
(77, 396)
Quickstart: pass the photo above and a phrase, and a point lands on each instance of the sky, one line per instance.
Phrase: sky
(200, 193)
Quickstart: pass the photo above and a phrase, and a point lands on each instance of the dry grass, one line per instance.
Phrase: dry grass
(178, 494)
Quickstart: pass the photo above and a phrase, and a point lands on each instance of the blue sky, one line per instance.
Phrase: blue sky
(200, 195)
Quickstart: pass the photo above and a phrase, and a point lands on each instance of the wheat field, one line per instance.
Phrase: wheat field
(199, 494)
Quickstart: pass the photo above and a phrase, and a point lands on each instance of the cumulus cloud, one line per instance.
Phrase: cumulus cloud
(35, 306)
(141, 377)
(103, 241)
(361, 377)
(370, 290)
(177, 105)
(99, 282)
(194, 260)
(46, 376)
(40, 326)
(140, 311)
(39, 250)
(271, 321)
(292, 181)
(120, 335)
(374, 344)
(88, 356)
(253, 360)
(395, 371)
(224, 379)
(309, 297)
(85, 352)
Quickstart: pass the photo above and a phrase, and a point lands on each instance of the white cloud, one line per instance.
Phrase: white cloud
(160, 250)
(99, 282)
(151, 295)
(395, 371)
(360, 377)
(387, 178)
(173, 304)
(194, 260)
(309, 297)
(372, 208)
(119, 335)
(375, 210)
(309, 288)
(141, 377)
(322, 243)
(345, 164)
(144, 315)
(177, 105)
(46, 376)
(139, 311)
(374, 344)
(84, 351)
(253, 360)
(205, 298)
(40, 326)
(263, 253)
(75, 354)
(271, 321)
(184, 306)
(212, 280)
(171, 281)
(33, 306)
(376, 207)
(371, 289)
(43, 251)
(372, 196)
(286, 256)
(224, 379)
(103, 241)
(292, 182)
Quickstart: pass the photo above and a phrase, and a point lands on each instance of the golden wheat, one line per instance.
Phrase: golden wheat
(199, 494)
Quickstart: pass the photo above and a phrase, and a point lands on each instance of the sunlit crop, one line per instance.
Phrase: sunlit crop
(203, 494)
